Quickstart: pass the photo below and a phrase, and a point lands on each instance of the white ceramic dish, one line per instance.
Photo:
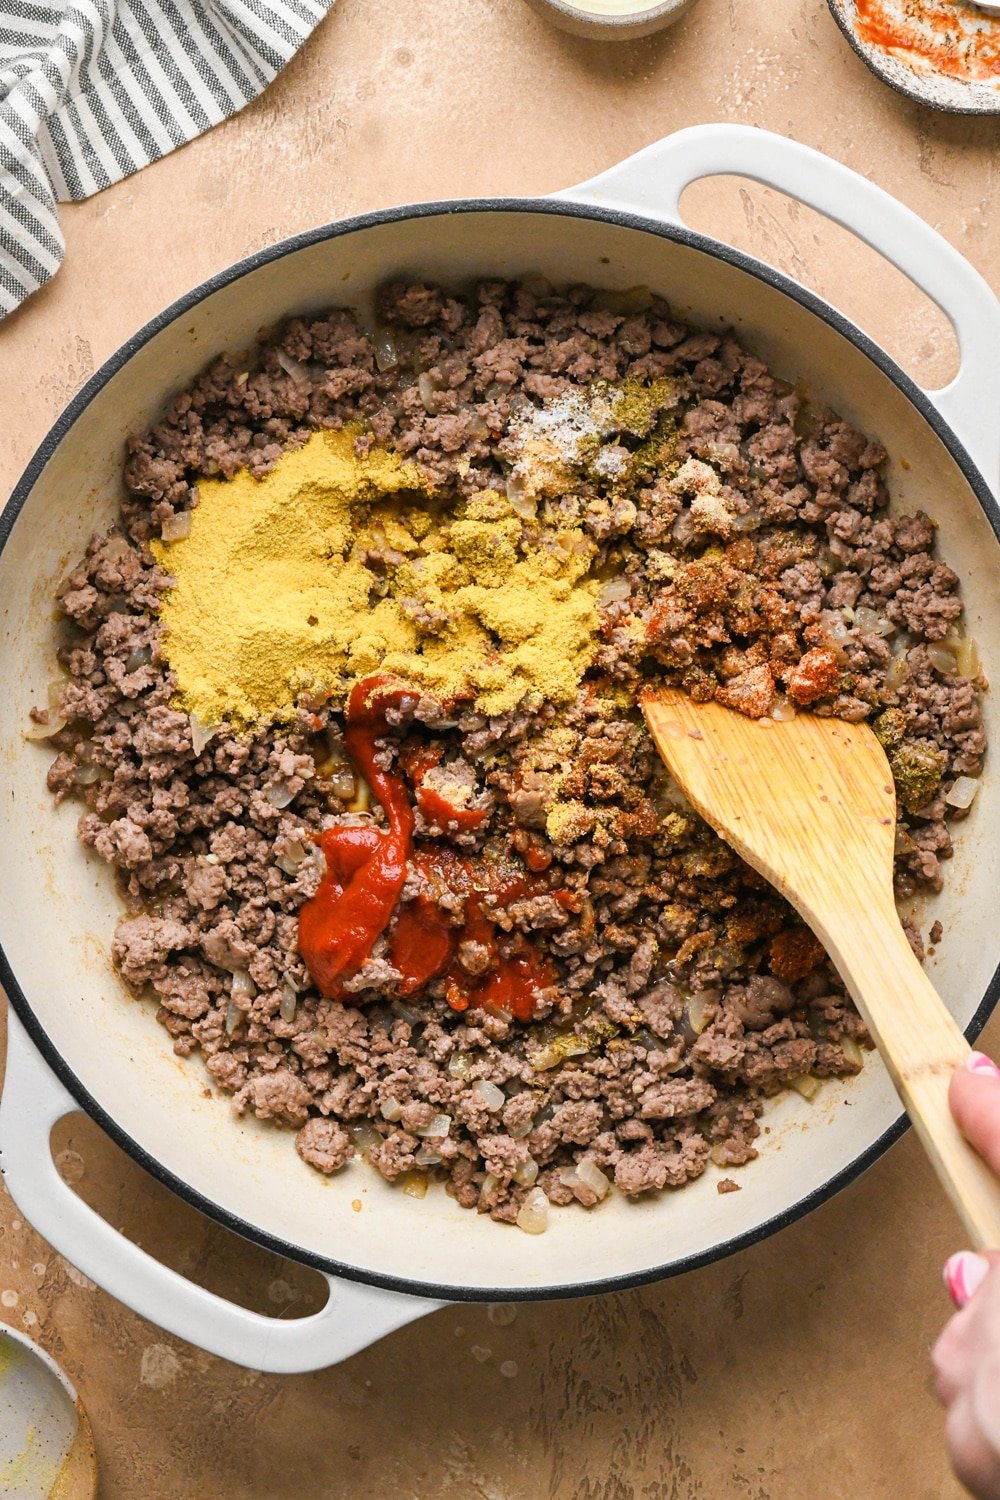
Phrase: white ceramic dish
(58, 907)
(941, 55)
(611, 20)
(46, 1445)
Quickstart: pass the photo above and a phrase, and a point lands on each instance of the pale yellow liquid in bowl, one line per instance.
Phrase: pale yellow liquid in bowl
(614, 7)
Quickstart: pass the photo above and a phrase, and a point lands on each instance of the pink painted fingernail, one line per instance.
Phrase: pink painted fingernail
(978, 1062)
(964, 1274)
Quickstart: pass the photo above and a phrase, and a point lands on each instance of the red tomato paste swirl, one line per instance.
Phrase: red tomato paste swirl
(358, 898)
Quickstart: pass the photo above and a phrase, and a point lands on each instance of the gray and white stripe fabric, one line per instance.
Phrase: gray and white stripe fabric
(91, 90)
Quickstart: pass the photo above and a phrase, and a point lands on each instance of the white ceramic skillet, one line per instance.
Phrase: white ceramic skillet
(77, 1041)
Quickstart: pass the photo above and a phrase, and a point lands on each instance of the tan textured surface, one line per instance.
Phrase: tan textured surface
(798, 1367)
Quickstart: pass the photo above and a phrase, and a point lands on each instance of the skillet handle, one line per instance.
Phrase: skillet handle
(652, 181)
(353, 1317)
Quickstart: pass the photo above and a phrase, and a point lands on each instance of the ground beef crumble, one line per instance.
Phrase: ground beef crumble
(761, 567)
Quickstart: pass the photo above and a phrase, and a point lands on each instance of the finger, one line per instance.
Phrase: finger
(967, 1338)
(974, 1096)
(973, 1458)
(964, 1274)
(950, 1359)
(985, 1397)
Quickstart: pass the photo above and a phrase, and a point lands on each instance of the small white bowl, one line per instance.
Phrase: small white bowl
(584, 19)
(46, 1445)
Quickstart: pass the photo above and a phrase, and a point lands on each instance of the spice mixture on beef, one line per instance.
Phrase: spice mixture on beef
(571, 982)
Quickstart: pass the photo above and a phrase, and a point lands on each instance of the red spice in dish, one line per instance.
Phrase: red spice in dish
(956, 40)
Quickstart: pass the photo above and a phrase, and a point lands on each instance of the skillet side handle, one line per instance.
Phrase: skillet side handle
(353, 1317)
(652, 181)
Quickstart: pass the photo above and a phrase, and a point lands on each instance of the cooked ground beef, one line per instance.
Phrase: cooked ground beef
(760, 566)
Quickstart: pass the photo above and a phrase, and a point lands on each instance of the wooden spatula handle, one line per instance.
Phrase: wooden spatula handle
(921, 1044)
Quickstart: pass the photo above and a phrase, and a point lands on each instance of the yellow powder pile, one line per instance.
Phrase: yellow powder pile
(334, 566)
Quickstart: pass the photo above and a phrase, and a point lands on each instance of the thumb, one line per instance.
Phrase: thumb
(974, 1096)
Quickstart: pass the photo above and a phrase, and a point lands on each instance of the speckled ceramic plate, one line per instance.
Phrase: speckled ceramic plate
(46, 1446)
(946, 53)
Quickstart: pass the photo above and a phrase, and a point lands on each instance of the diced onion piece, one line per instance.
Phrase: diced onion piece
(427, 392)
(233, 1017)
(140, 657)
(518, 1132)
(414, 1184)
(749, 521)
(439, 1126)
(391, 1110)
(556, 1052)
(200, 734)
(870, 622)
(835, 626)
(962, 792)
(490, 1185)
(852, 1051)
(243, 985)
(591, 1176)
(807, 1085)
(343, 783)
(533, 1215)
(115, 547)
(942, 660)
(636, 299)
(86, 775)
(294, 368)
(614, 591)
(362, 799)
(426, 1157)
(783, 709)
(521, 503)
(896, 672)
(289, 1002)
(36, 731)
(386, 352)
(279, 794)
(292, 856)
(459, 1065)
(176, 527)
(365, 1137)
(491, 1096)
(699, 1007)
(527, 1173)
(55, 719)
(967, 657)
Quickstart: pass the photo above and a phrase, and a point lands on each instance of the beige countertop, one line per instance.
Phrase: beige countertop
(796, 1368)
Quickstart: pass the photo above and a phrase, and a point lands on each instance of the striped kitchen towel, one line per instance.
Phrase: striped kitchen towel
(91, 90)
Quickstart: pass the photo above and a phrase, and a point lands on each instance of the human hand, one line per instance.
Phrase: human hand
(967, 1355)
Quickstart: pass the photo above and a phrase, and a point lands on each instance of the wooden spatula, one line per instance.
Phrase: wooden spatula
(810, 804)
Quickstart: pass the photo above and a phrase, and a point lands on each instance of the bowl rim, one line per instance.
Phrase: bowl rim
(652, 10)
(443, 209)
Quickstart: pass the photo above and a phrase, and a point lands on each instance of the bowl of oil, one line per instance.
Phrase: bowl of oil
(611, 20)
